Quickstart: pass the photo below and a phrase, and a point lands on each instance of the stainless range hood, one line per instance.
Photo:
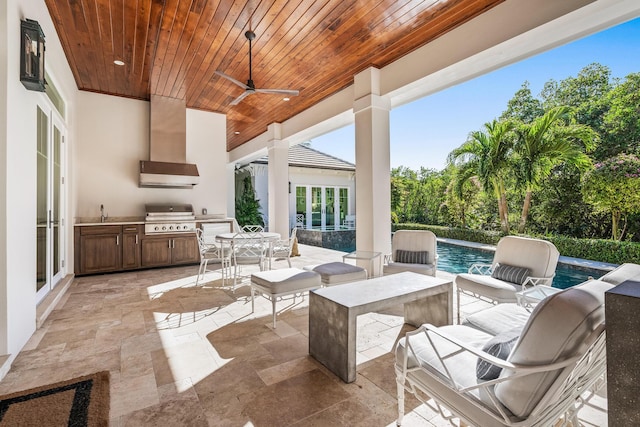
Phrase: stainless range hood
(167, 166)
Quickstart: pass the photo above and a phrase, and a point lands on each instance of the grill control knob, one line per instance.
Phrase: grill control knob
(156, 228)
(171, 227)
(164, 228)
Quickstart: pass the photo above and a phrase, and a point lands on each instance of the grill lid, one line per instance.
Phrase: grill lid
(169, 212)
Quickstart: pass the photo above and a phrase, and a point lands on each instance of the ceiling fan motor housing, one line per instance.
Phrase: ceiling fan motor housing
(250, 87)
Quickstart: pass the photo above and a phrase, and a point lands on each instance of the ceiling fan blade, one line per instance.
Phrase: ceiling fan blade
(280, 91)
(231, 79)
(241, 97)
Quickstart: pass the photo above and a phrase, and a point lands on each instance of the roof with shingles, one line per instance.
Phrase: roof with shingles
(304, 156)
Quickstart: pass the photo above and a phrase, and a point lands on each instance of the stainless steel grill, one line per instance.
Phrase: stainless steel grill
(167, 218)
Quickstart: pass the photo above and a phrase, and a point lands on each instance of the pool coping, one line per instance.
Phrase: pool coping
(576, 262)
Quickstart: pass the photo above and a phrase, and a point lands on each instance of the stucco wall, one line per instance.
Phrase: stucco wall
(18, 107)
(301, 176)
(113, 136)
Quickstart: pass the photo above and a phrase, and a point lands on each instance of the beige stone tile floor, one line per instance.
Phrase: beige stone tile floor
(181, 355)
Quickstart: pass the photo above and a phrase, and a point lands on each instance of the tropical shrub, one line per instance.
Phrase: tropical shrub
(247, 206)
(613, 185)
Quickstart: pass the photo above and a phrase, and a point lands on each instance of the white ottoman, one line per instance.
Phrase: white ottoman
(276, 284)
(335, 273)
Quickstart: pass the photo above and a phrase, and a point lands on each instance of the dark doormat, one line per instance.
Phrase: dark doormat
(82, 401)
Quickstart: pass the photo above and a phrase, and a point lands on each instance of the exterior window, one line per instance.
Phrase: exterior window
(301, 206)
(344, 204)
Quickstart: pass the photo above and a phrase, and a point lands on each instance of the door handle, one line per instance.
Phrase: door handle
(136, 239)
(117, 240)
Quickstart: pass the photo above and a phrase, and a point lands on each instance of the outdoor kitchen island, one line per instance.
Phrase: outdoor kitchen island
(164, 237)
(333, 311)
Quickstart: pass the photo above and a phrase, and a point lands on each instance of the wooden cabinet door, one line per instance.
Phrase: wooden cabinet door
(185, 250)
(130, 247)
(101, 253)
(156, 251)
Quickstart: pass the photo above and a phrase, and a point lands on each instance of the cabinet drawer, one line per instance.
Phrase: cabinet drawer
(126, 229)
(100, 229)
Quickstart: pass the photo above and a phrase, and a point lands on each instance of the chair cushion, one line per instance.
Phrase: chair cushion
(499, 319)
(540, 256)
(286, 280)
(339, 272)
(399, 267)
(510, 273)
(461, 366)
(496, 289)
(622, 273)
(499, 346)
(412, 257)
(557, 329)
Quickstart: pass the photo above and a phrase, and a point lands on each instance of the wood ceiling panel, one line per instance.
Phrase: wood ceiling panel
(174, 47)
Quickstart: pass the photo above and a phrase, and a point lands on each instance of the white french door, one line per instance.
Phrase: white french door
(50, 221)
(322, 207)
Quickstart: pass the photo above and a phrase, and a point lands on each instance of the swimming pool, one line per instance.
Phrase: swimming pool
(457, 259)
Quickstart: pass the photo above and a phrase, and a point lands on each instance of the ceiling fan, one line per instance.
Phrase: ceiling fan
(250, 88)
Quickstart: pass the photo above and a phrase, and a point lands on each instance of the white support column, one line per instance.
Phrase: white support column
(373, 165)
(231, 190)
(278, 181)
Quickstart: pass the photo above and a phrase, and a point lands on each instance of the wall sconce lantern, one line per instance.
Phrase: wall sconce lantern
(31, 55)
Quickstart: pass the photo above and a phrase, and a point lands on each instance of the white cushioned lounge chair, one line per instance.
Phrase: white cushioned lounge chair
(556, 358)
(518, 263)
(412, 250)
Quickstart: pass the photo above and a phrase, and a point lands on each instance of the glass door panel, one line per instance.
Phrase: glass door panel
(56, 204)
(301, 207)
(330, 208)
(316, 207)
(50, 200)
(42, 211)
(343, 204)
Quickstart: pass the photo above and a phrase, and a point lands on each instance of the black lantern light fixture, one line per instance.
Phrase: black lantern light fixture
(32, 55)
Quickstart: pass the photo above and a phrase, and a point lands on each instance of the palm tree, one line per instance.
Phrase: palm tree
(485, 155)
(546, 142)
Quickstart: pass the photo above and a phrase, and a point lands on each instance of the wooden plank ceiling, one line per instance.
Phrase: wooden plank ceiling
(173, 48)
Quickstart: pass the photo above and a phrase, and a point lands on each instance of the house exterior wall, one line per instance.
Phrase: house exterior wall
(300, 176)
(113, 136)
(18, 170)
(106, 137)
(320, 177)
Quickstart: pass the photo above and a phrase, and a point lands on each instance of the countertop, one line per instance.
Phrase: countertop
(137, 220)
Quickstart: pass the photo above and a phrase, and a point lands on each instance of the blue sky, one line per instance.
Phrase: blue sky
(435, 125)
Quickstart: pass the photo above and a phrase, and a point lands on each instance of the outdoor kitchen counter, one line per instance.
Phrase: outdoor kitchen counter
(131, 220)
(124, 220)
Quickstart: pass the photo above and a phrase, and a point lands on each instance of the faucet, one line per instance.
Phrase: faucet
(103, 217)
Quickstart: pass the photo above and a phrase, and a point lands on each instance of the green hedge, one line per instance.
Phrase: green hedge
(597, 249)
(479, 236)
(602, 250)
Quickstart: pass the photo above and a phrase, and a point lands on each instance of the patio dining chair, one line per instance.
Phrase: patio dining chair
(210, 251)
(247, 249)
(282, 248)
(252, 228)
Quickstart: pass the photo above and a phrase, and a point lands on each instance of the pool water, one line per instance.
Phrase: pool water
(458, 259)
